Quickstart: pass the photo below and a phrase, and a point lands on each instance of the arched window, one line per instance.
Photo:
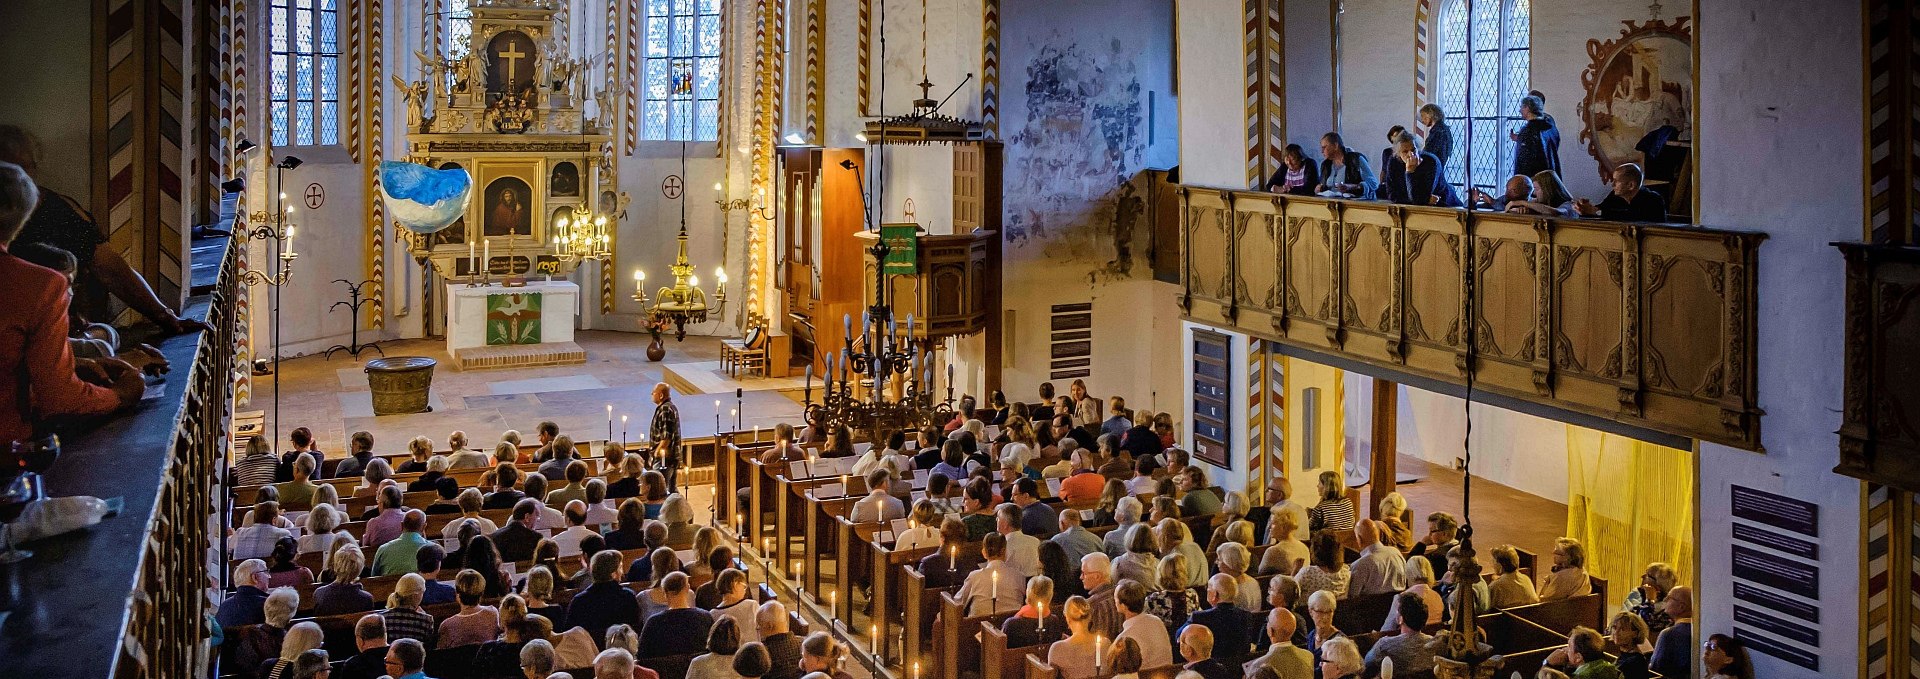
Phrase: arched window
(681, 71)
(1484, 67)
(459, 31)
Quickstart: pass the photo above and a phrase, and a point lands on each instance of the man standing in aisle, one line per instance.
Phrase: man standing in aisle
(665, 434)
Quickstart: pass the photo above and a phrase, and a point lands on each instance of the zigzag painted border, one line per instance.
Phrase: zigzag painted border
(631, 45)
(990, 69)
(1892, 121)
(1876, 611)
(1273, 78)
(865, 68)
(1422, 44)
(816, 67)
(1251, 96)
(351, 73)
(243, 304)
(1257, 413)
(376, 208)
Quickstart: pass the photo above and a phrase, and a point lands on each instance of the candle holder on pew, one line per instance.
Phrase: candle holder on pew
(353, 347)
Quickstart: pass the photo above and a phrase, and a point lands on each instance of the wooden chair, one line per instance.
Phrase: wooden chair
(746, 353)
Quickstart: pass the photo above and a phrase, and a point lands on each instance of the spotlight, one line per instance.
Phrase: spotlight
(847, 164)
(245, 147)
(794, 138)
(862, 136)
(289, 162)
(234, 185)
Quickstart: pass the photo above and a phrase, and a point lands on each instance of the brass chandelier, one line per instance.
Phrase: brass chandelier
(683, 302)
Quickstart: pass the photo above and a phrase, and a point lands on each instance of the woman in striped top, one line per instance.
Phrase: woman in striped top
(257, 466)
(1335, 511)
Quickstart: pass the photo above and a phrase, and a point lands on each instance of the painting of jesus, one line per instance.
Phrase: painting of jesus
(508, 212)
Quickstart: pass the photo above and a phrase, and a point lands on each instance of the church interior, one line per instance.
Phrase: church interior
(960, 339)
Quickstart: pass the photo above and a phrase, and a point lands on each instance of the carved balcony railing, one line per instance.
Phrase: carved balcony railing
(128, 597)
(1880, 415)
(1649, 325)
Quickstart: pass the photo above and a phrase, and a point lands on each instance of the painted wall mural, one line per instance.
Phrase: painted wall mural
(1082, 135)
(1639, 83)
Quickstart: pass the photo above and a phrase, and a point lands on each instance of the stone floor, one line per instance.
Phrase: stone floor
(331, 397)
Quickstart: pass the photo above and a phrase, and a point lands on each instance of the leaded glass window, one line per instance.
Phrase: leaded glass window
(1484, 70)
(459, 30)
(304, 53)
(681, 73)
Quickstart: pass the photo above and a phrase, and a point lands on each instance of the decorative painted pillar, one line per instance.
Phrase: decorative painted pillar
(139, 107)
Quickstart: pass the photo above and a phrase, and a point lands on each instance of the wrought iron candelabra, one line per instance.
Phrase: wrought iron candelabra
(878, 354)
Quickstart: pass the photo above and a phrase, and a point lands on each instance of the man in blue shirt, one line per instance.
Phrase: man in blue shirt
(407, 659)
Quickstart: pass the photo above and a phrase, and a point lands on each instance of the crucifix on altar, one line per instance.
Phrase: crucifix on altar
(510, 62)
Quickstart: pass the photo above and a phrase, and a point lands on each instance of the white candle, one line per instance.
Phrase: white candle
(874, 635)
(996, 591)
(1043, 616)
(952, 552)
(1099, 644)
(486, 253)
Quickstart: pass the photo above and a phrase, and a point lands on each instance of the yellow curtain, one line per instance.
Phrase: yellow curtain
(1630, 503)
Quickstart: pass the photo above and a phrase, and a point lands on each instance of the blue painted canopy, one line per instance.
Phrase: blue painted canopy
(423, 199)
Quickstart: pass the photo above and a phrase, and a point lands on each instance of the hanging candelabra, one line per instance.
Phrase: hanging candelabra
(871, 359)
(683, 302)
(582, 236)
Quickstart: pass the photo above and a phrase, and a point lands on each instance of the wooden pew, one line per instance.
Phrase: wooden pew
(919, 607)
(998, 661)
(890, 602)
(1037, 668)
(1363, 613)
(1563, 615)
(1524, 643)
(956, 646)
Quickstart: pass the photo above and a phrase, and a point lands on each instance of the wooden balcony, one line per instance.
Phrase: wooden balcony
(948, 296)
(1649, 325)
(1880, 416)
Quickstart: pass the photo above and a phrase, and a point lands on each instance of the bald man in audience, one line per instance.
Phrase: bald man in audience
(1381, 568)
(681, 629)
(1519, 190)
(1283, 660)
(402, 554)
(1196, 650)
(1076, 540)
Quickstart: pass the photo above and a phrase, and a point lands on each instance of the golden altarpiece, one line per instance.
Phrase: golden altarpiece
(512, 111)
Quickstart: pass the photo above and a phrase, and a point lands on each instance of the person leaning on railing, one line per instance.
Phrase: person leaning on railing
(35, 350)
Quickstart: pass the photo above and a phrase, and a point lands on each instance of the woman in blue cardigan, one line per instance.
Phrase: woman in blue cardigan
(1418, 179)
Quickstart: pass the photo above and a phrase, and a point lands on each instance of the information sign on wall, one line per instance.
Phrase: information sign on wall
(1776, 575)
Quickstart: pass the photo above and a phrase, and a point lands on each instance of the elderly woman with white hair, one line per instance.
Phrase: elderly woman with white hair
(1126, 515)
(344, 594)
(377, 472)
(1420, 582)
(259, 646)
(1340, 658)
(677, 513)
(1232, 558)
(436, 469)
(1393, 525)
(301, 638)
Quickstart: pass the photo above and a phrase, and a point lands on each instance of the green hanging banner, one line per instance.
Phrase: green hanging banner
(904, 239)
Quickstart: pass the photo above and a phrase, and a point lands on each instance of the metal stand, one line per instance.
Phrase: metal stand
(353, 302)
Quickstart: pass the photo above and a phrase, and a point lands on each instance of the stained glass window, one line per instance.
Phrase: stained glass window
(1484, 66)
(681, 74)
(304, 52)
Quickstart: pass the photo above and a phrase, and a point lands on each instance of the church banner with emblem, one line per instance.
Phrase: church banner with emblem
(904, 241)
(513, 319)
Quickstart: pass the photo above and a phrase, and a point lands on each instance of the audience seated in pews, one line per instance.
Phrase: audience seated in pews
(1231, 560)
(1420, 583)
(255, 468)
(1171, 600)
(515, 540)
(284, 571)
(1510, 587)
(302, 439)
(679, 630)
(506, 494)
(653, 599)
(1140, 626)
(1038, 520)
(1280, 490)
(1325, 571)
(404, 617)
(879, 504)
(1283, 592)
(1334, 511)
(481, 554)
(344, 594)
(474, 624)
(605, 603)
(257, 539)
(1074, 538)
(302, 638)
(429, 559)
(1409, 648)
(723, 644)
(922, 531)
(1074, 655)
(1340, 659)
(400, 554)
(1096, 578)
(630, 527)
(949, 566)
(247, 604)
(1196, 498)
(1231, 626)
(1380, 568)
(708, 594)
(1442, 536)
(1139, 561)
(370, 651)
(781, 646)
(821, 657)
(1672, 651)
(996, 583)
(1061, 569)
(1196, 650)
(262, 641)
(1286, 555)
(1321, 607)
(538, 595)
(1628, 201)
(1106, 512)
(577, 529)
(1344, 171)
(297, 493)
(1645, 600)
(461, 455)
(575, 473)
(1126, 659)
(1025, 628)
(1282, 659)
(1568, 578)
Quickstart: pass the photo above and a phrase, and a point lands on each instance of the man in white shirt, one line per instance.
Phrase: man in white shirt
(256, 540)
(878, 505)
(1023, 550)
(1380, 568)
(599, 511)
(577, 530)
(995, 586)
(1147, 630)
